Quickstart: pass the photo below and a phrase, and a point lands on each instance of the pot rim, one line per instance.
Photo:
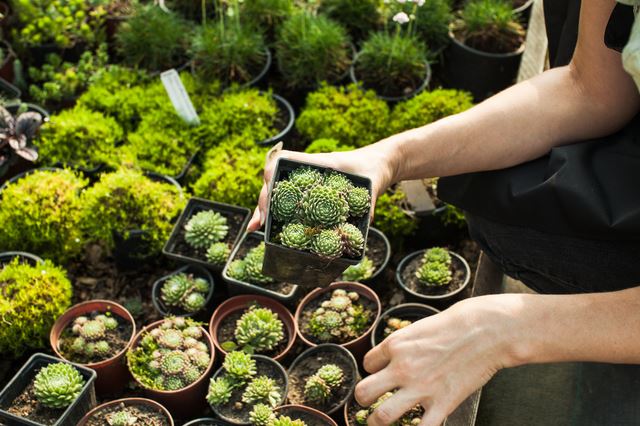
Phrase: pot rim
(460, 44)
(379, 234)
(310, 410)
(399, 307)
(25, 254)
(292, 119)
(524, 7)
(133, 401)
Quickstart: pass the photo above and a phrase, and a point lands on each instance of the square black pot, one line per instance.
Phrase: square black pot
(196, 205)
(74, 412)
(301, 267)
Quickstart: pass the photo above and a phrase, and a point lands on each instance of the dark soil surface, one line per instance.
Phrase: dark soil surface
(227, 328)
(117, 340)
(309, 366)
(308, 418)
(376, 250)
(490, 43)
(27, 406)
(411, 281)
(144, 414)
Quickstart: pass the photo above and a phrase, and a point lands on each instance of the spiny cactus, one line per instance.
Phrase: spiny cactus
(205, 228)
(360, 272)
(359, 201)
(262, 389)
(185, 291)
(324, 206)
(261, 415)
(220, 390)
(259, 330)
(339, 319)
(296, 235)
(434, 274)
(352, 238)
(58, 385)
(339, 182)
(91, 336)
(395, 324)
(218, 253)
(410, 418)
(240, 366)
(285, 200)
(305, 177)
(327, 244)
(437, 255)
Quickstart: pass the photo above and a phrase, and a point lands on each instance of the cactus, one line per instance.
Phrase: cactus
(259, 329)
(339, 319)
(262, 389)
(305, 177)
(239, 366)
(296, 235)
(185, 291)
(339, 182)
(205, 228)
(253, 266)
(434, 274)
(218, 253)
(285, 201)
(353, 240)
(395, 324)
(261, 415)
(220, 390)
(58, 385)
(327, 244)
(324, 206)
(359, 201)
(410, 418)
(89, 336)
(360, 272)
(437, 255)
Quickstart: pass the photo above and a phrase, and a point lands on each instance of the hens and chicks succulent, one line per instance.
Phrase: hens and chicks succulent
(435, 270)
(339, 319)
(206, 230)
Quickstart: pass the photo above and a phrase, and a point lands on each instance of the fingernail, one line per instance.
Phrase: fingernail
(262, 218)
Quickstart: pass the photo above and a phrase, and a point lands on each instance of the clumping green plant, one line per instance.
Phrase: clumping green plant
(437, 255)
(360, 272)
(435, 270)
(258, 330)
(261, 415)
(152, 38)
(89, 337)
(127, 200)
(311, 49)
(185, 291)
(394, 324)
(432, 19)
(79, 137)
(121, 418)
(326, 145)
(391, 217)
(428, 107)
(287, 421)
(218, 253)
(58, 385)
(171, 356)
(31, 299)
(240, 366)
(262, 389)
(205, 228)
(339, 319)
(318, 387)
(410, 418)
(41, 213)
(350, 115)
(249, 269)
(452, 216)
(266, 14)
(359, 17)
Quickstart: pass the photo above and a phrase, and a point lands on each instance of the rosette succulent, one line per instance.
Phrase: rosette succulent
(319, 386)
(261, 415)
(359, 201)
(220, 390)
(240, 366)
(339, 319)
(338, 181)
(296, 235)
(434, 274)
(205, 228)
(328, 244)
(437, 255)
(262, 389)
(121, 418)
(360, 272)
(352, 238)
(218, 253)
(58, 385)
(305, 177)
(395, 324)
(285, 201)
(249, 269)
(287, 421)
(259, 330)
(90, 337)
(324, 206)
(185, 291)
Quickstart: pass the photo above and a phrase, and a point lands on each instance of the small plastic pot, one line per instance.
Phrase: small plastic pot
(112, 373)
(243, 287)
(184, 402)
(358, 347)
(239, 304)
(301, 267)
(206, 421)
(310, 416)
(405, 311)
(264, 365)
(166, 311)
(70, 416)
(285, 106)
(523, 13)
(128, 402)
(333, 354)
(24, 257)
(440, 301)
(373, 281)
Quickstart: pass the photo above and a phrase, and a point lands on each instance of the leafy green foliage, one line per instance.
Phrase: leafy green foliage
(453, 216)
(58, 385)
(205, 228)
(339, 319)
(326, 145)
(359, 17)
(41, 213)
(352, 116)
(390, 216)
(428, 107)
(489, 25)
(185, 291)
(360, 272)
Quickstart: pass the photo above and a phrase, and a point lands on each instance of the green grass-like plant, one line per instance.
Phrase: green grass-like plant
(360, 18)
(266, 14)
(428, 107)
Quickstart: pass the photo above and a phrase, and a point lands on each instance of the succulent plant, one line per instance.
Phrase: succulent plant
(316, 390)
(324, 206)
(185, 291)
(339, 319)
(261, 415)
(218, 253)
(434, 274)
(331, 374)
(259, 330)
(220, 390)
(327, 244)
(205, 228)
(410, 418)
(237, 270)
(287, 421)
(395, 324)
(296, 235)
(437, 255)
(360, 272)
(240, 366)
(121, 418)
(338, 181)
(359, 201)
(89, 337)
(285, 200)
(262, 389)
(353, 240)
(58, 385)
(253, 266)
(305, 177)
(16, 133)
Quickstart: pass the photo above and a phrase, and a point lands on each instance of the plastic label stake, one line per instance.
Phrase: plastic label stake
(179, 96)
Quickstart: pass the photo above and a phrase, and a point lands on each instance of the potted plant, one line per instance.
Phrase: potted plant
(398, 317)
(206, 232)
(128, 412)
(16, 141)
(323, 377)
(431, 24)
(253, 324)
(186, 292)
(355, 414)
(267, 15)
(377, 253)
(488, 39)
(96, 334)
(317, 223)
(244, 382)
(360, 18)
(22, 256)
(243, 272)
(302, 415)
(170, 360)
(436, 276)
(118, 11)
(320, 318)
(48, 391)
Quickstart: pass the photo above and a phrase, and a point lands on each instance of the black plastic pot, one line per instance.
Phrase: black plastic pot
(206, 421)
(196, 205)
(260, 80)
(376, 233)
(71, 416)
(237, 287)
(283, 105)
(166, 311)
(8, 90)
(23, 257)
(481, 73)
(6, 68)
(405, 311)
(300, 267)
(523, 13)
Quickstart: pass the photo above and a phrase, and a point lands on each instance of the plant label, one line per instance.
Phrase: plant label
(179, 96)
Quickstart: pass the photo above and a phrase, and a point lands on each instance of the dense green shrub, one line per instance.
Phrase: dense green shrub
(326, 145)
(391, 218)
(79, 137)
(41, 214)
(266, 14)
(31, 299)
(347, 114)
(428, 107)
(127, 200)
(359, 17)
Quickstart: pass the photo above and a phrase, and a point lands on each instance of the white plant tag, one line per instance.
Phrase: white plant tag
(179, 96)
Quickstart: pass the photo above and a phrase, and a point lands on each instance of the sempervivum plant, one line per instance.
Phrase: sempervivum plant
(319, 386)
(57, 385)
(435, 269)
(205, 228)
(91, 336)
(218, 253)
(359, 272)
(339, 319)
(258, 330)
(185, 291)
(410, 418)
(249, 269)
(395, 324)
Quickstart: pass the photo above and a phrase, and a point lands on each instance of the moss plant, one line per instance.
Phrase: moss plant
(258, 330)
(185, 291)
(349, 115)
(79, 137)
(326, 145)
(311, 49)
(391, 217)
(127, 200)
(359, 17)
(31, 299)
(428, 107)
(57, 385)
(41, 213)
(339, 319)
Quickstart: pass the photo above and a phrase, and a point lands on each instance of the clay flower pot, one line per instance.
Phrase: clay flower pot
(128, 402)
(184, 402)
(309, 415)
(405, 311)
(359, 346)
(112, 373)
(238, 304)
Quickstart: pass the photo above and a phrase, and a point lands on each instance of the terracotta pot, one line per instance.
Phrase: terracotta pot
(112, 373)
(410, 311)
(301, 411)
(358, 347)
(127, 402)
(188, 400)
(241, 303)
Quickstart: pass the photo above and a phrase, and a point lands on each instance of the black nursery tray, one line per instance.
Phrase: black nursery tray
(177, 249)
(300, 267)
